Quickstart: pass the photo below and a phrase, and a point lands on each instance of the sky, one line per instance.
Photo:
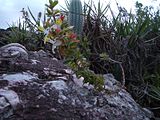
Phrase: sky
(10, 9)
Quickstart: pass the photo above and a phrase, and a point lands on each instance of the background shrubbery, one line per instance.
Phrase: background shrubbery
(134, 41)
(127, 45)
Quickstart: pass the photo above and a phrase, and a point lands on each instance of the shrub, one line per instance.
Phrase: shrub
(24, 34)
(65, 43)
(129, 39)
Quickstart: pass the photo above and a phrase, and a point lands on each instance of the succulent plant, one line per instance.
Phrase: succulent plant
(75, 17)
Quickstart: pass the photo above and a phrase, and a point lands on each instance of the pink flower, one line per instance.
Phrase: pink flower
(57, 30)
(72, 36)
(62, 17)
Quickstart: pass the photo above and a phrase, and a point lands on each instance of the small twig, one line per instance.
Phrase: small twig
(156, 108)
(123, 74)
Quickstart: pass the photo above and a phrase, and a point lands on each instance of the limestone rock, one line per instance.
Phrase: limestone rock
(13, 51)
(43, 88)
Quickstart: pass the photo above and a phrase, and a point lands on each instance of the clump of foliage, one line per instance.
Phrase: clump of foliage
(65, 43)
(24, 34)
(129, 39)
(139, 37)
(57, 31)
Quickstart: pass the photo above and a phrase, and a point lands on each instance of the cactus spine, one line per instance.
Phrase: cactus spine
(75, 17)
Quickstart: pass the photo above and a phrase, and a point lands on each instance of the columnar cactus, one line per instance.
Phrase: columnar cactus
(75, 16)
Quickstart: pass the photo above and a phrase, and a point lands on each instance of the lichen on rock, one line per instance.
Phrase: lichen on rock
(47, 90)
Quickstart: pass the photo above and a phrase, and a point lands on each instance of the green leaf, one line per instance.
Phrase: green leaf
(33, 16)
(67, 29)
(47, 5)
(39, 18)
(154, 92)
(40, 28)
(46, 39)
(49, 12)
(56, 12)
(53, 4)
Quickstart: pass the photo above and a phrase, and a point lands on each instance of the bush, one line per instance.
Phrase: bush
(65, 43)
(133, 41)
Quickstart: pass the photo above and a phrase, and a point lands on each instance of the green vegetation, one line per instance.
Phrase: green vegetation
(25, 34)
(127, 45)
(64, 43)
(130, 39)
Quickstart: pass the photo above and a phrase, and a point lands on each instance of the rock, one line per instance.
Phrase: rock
(18, 76)
(43, 88)
(5, 108)
(11, 97)
(13, 51)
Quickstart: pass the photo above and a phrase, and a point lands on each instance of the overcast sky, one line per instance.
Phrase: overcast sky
(10, 9)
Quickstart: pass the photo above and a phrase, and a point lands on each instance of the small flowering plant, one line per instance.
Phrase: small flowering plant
(57, 32)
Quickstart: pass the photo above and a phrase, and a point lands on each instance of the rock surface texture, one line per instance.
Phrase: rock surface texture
(43, 88)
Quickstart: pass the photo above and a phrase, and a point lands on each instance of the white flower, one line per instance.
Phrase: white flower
(55, 43)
